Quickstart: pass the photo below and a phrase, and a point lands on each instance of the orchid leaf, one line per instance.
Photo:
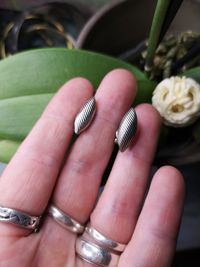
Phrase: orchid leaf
(29, 80)
(7, 149)
(45, 70)
(193, 73)
(19, 114)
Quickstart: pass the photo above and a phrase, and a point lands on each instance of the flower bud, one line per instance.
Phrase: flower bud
(177, 99)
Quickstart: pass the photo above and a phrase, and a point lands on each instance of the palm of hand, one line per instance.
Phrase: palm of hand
(37, 175)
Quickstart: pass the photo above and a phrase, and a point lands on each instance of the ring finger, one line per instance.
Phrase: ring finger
(118, 208)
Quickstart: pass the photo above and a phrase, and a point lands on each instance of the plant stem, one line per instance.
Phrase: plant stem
(158, 19)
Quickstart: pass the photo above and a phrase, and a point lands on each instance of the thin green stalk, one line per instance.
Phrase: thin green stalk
(156, 27)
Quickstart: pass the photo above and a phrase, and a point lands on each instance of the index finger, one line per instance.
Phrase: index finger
(29, 179)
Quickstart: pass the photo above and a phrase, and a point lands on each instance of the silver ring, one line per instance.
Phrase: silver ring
(64, 220)
(19, 218)
(102, 240)
(95, 254)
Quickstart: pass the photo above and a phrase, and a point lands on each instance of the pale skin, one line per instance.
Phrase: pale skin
(38, 174)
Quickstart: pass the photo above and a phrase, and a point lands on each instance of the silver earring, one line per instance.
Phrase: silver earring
(127, 130)
(85, 116)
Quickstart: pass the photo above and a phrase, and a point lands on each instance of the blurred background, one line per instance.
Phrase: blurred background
(110, 27)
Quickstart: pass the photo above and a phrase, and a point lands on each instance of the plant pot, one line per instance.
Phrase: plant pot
(117, 26)
(122, 25)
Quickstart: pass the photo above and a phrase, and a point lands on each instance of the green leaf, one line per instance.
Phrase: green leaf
(193, 73)
(29, 80)
(7, 149)
(144, 93)
(19, 114)
(45, 70)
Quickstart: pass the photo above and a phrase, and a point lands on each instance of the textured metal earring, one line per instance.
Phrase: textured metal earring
(127, 130)
(84, 117)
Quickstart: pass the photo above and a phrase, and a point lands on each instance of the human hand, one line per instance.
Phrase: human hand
(38, 175)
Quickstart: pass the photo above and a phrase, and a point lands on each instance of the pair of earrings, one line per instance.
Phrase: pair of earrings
(124, 134)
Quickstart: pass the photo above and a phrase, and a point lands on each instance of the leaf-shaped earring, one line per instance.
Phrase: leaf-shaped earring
(127, 130)
(84, 117)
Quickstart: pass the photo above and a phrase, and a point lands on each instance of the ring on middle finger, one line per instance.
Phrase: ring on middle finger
(90, 252)
(102, 240)
(65, 220)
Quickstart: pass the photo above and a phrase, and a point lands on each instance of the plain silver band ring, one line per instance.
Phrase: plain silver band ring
(64, 220)
(95, 254)
(19, 218)
(102, 240)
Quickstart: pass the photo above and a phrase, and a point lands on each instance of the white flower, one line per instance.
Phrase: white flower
(177, 99)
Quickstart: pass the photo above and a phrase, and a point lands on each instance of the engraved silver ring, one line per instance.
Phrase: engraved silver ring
(65, 220)
(93, 253)
(19, 218)
(103, 240)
